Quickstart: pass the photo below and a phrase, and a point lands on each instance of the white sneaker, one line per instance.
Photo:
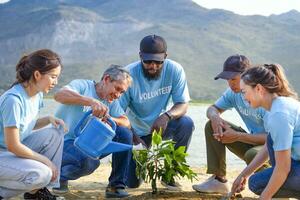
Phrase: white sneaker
(173, 186)
(212, 185)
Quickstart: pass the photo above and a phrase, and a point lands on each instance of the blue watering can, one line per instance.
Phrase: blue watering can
(95, 138)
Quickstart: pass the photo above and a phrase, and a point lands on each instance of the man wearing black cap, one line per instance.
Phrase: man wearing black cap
(156, 81)
(220, 134)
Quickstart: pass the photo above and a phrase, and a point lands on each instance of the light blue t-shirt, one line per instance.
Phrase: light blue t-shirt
(71, 114)
(283, 124)
(253, 118)
(146, 99)
(19, 110)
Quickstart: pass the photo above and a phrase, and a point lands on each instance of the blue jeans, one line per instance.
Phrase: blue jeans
(179, 130)
(75, 164)
(290, 188)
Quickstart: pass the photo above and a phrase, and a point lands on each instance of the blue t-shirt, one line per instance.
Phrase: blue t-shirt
(19, 110)
(283, 124)
(71, 114)
(253, 118)
(146, 99)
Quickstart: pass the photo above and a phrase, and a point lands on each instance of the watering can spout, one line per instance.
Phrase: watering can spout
(115, 147)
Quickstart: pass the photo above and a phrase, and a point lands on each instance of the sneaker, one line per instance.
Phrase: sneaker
(172, 185)
(212, 185)
(42, 194)
(116, 192)
(62, 189)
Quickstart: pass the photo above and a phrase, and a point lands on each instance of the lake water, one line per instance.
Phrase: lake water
(197, 149)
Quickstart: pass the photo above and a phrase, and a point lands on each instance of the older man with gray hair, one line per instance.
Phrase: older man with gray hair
(80, 96)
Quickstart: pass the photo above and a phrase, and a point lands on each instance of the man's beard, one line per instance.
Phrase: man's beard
(154, 76)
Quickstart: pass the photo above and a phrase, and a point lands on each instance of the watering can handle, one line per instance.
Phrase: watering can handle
(112, 123)
(76, 130)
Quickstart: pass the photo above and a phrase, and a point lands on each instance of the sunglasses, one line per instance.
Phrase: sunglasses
(154, 61)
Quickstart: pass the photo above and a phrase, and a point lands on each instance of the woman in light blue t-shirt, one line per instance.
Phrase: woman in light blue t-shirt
(266, 86)
(30, 152)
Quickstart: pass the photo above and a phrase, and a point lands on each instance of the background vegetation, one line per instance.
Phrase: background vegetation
(91, 34)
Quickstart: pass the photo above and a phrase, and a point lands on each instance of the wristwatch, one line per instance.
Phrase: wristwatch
(169, 115)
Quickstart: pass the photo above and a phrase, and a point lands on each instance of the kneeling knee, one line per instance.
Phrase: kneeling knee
(208, 128)
(90, 166)
(38, 178)
(187, 123)
(253, 186)
(124, 135)
(55, 137)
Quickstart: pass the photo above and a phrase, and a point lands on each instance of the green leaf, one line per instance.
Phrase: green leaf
(162, 160)
(156, 138)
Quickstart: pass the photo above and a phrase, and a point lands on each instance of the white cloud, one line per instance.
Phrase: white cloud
(3, 1)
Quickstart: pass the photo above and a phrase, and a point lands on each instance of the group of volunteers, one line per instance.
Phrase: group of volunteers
(38, 153)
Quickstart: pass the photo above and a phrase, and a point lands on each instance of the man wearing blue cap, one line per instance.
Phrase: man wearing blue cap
(156, 81)
(220, 133)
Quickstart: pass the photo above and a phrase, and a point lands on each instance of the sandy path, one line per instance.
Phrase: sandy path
(93, 187)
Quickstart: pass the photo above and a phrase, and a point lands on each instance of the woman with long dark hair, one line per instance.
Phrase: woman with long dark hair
(30, 152)
(266, 86)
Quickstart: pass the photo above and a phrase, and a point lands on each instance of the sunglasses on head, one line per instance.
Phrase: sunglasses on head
(154, 61)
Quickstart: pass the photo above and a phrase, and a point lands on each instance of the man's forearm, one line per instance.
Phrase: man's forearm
(178, 110)
(255, 139)
(122, 121)
(41, 122)
(212, 111)
(66, 96)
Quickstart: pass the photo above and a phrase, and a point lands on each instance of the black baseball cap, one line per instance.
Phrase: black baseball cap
(153, 47)
(233, 66)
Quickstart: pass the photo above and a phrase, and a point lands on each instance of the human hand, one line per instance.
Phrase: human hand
(53, 168)
(137, 140)
(160, 123)
(229, 135)
(238, 184)
(217, 124)
(56, 122)
(98, 108)
(105, 118)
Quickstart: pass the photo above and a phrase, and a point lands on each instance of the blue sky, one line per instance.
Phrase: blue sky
(248, 7)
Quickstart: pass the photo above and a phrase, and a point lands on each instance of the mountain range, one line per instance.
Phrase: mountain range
(92, 34)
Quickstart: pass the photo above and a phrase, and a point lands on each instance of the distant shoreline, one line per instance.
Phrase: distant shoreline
(192, 102)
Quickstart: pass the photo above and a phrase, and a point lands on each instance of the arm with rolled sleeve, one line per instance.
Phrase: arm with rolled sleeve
(73, 94)
(213, 113)
(223, 131)
(226, 101)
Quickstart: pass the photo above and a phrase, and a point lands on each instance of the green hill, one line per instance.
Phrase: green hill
(91, 34)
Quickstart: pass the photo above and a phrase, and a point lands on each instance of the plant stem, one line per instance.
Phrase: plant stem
(154, 187)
